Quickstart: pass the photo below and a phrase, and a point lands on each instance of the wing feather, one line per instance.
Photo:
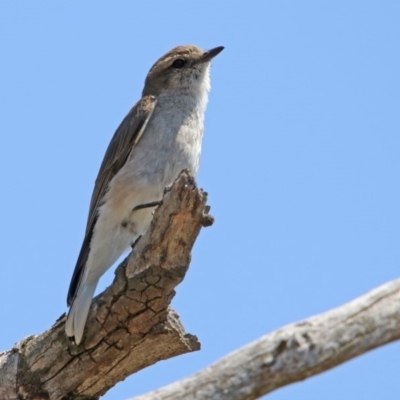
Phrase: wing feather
(124, 140)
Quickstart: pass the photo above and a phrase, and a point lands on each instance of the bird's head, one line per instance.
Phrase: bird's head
(184, 69)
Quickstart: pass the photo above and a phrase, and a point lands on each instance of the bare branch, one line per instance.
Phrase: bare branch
(297, 351)
(130, 325)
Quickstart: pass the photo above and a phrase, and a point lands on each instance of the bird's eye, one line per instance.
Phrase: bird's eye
(178, 63)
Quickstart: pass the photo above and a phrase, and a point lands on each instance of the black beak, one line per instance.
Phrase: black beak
(210, 54)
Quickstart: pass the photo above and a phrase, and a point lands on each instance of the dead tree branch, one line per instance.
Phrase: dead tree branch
(130, 325)
(296, 352)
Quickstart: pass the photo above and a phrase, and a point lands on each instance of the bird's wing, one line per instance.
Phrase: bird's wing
(124, 140)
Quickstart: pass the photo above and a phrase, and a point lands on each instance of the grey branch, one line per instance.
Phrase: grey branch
(297, 351)
(130, 326)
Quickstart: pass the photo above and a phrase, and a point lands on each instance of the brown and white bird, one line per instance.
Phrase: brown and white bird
(159, 137)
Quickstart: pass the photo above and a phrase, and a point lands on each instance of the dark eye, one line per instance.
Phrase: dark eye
(178, 63)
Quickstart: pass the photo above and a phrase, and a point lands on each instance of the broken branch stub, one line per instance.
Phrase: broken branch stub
(130, 325)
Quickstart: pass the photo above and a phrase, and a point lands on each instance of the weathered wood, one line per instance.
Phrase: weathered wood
(296, 352)
(130, 325)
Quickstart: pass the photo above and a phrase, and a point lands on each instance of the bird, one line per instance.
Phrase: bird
(159, 137)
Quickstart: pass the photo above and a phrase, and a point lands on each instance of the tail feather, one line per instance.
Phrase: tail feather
(78, 313)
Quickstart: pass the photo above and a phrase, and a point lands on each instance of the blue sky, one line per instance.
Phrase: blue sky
(300, 159)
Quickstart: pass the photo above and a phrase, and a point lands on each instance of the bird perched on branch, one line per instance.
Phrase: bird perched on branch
(159, 137)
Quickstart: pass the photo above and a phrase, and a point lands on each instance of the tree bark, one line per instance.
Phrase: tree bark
(130, 325)
(296, 352)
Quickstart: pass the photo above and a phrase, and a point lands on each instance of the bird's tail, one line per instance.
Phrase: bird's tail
(79, 311)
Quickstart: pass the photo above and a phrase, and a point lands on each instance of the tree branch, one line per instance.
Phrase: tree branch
(297, 351)
(130, 325)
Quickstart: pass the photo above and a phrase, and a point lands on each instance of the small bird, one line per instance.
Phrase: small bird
(160, 136)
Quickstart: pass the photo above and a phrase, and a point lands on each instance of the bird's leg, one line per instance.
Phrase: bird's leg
(141, 207)
(147, 205)
(135, 242)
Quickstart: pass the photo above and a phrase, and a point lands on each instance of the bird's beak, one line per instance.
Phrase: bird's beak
(210, 54)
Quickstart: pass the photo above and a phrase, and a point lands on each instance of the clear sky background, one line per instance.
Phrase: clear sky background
(300, 159)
